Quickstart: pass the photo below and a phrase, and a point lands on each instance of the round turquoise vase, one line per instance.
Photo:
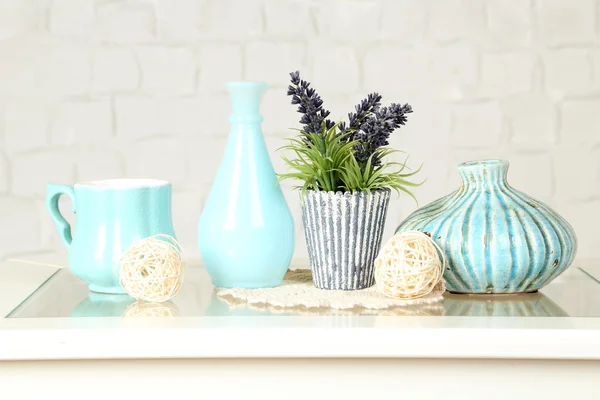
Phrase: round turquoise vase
(246, 230)
(496, 239)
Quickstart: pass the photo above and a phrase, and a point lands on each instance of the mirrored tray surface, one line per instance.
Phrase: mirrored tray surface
(573, 294)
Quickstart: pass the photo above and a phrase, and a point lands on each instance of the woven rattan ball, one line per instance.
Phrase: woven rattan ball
(151, 269)
(409, 266)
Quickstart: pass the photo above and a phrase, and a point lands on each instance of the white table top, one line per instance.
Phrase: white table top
(60, 320)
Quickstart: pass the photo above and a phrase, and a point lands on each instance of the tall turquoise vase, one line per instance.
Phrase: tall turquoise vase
(246, 230)
(496, 239)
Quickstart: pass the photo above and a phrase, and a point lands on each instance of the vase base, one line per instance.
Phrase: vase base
(491, 293)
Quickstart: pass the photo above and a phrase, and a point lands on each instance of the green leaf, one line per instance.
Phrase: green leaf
(325, 161)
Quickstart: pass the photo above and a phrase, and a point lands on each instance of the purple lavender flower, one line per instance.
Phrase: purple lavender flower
(310, 105)
(363, 109)
(370, 125)
(374, 129)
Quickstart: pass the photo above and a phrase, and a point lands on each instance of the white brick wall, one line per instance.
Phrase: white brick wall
(92, 89)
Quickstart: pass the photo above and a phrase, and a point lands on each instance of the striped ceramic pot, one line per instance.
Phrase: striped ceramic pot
(496, 239)
(343, 236)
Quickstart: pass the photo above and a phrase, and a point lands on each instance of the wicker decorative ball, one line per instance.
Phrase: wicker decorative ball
(151, 269)
(409, 266)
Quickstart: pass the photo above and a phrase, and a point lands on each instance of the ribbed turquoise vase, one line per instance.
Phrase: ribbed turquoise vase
(246, 230)
(496, 239)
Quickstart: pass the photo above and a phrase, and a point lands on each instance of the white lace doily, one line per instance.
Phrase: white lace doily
(299, 293)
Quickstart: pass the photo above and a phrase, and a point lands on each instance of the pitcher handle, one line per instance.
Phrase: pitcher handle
(53, 193)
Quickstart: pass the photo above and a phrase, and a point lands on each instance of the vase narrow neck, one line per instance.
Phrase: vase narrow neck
(245, 102)
(484, 172)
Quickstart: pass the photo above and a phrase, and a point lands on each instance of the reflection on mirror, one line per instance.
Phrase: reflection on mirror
(117, 305)
(145, 309)
(223, 306)
(102, 305)
(503, 305)
(574, 294)
(227, 305)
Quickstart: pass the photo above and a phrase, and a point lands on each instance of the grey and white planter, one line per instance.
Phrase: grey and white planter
(343, 236)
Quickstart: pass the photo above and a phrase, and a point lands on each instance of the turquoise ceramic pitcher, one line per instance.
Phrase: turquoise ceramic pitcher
(110, 216)
(246, 230)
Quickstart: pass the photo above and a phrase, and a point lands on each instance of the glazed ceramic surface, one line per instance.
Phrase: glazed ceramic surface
(246, 230)
(496, 238)
(343, 236)
(110, 216)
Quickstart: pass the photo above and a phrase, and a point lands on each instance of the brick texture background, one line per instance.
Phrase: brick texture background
(103, 89)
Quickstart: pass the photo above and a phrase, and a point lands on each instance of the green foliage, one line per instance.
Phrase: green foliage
(366, 177)
(326, 161)
(319, 158)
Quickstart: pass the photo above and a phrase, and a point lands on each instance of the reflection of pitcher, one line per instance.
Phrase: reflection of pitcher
(522, 305)
(111, 215)
(117, 305)
(102, 305)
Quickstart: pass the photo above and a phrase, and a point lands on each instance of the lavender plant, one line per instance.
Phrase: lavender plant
(346, 157)
(372, 128)
(309, 103)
